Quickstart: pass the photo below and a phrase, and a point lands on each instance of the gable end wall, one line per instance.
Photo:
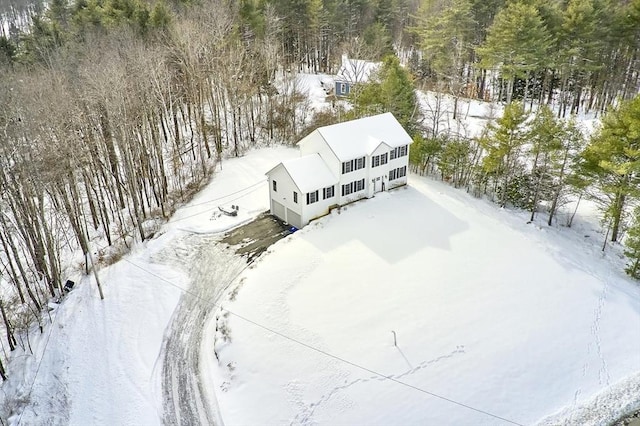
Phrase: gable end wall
(284, 193)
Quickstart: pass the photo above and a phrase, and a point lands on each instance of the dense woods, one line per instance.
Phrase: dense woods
(113, 112)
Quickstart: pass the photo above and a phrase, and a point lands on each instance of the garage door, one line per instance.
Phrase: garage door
(294, 218)
(277, 209)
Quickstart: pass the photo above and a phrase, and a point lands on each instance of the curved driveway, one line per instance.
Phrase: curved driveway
(211, 267)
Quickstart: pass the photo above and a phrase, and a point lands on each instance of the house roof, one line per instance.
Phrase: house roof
(309, 172)
(356, 70)
(356, 138)
(374, 143)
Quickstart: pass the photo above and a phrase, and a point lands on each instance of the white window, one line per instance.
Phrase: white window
(342, 88)
(351, 165)
(295, 197)
(398, 152)
(397, 173)
(355, 186)
(381, 159)
(347, 167)
(312, 197)
(328, 192)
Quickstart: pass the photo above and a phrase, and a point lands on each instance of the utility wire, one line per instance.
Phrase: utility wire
(224, 196)
(199, 204)
(44, 352)
(320, 351)
(208, 210)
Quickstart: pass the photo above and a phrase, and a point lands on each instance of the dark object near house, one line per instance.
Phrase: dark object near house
(232, 212)
(68, 285)
(293, 229)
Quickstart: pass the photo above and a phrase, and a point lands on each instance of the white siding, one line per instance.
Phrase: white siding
(397, 163)
(284, 193)
(378, 175)
(372, 179)
(351, 177)
(320, 207)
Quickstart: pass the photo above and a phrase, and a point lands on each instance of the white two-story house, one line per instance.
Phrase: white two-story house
(339, 164)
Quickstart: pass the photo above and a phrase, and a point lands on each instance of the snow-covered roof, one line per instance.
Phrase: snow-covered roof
(357, 138)
(309, 172)
(356, 70)
(374, 143)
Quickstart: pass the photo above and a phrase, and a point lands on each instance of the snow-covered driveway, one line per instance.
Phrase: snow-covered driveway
(211, 268)
(102, 361)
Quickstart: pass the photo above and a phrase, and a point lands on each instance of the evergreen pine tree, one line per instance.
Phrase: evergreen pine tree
(564, 164)
(390, 90)
(517, 44)
(611, 161)
(632, 244)
(454, 161)
(544, 136)
(423, 153)
(446, 31)
(503, 142)
(446, 36)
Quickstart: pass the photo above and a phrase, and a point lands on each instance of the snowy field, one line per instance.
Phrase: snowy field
(497, 321)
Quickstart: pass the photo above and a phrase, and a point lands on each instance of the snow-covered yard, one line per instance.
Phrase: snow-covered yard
(496, 320)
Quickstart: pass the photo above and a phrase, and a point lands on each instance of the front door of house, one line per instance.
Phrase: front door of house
(377, 185)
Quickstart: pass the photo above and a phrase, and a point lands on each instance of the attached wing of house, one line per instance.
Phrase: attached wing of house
(340, 164)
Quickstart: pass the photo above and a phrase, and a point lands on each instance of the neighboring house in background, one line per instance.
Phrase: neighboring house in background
(339, 164)
(352, 72)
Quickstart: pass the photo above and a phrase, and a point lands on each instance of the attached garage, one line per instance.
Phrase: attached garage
(294, 218)
(278, 210)
(301, 189)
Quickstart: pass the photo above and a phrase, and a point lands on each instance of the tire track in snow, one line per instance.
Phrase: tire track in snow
(210, 267)
(305, 417)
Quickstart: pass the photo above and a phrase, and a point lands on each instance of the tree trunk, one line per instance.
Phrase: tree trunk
(559, 186)
(10, 337)
(617, 215)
